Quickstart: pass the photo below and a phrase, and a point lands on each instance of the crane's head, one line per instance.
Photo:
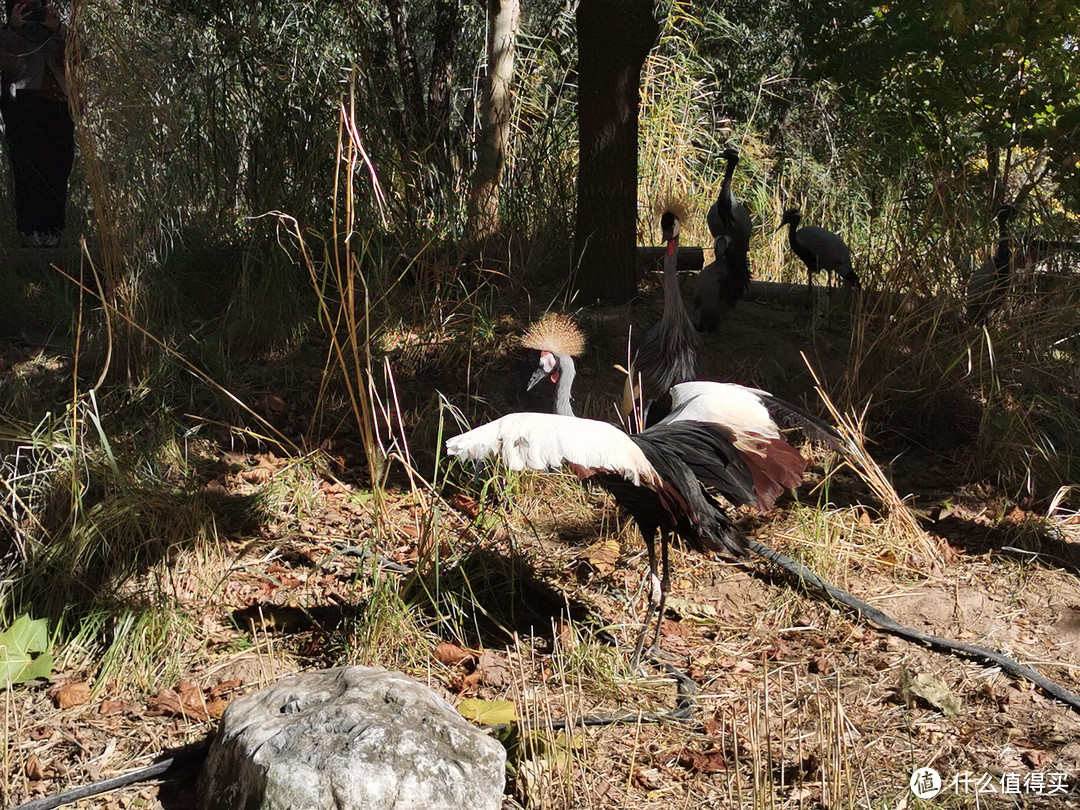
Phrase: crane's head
(731, 155)
(547, 367)
(669, 226)
(554, 336)
(791, 217)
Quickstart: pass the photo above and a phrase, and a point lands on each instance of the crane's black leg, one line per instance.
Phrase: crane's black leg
(655, 584)
(665, 586)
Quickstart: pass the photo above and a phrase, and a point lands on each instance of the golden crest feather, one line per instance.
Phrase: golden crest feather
(555, 333)
(672, 202)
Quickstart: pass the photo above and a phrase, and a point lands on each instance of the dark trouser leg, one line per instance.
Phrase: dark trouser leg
(41, 151)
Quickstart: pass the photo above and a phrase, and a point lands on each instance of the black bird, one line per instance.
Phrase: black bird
(725, 280)
(989, 282)
(819, 249)
(728, 217)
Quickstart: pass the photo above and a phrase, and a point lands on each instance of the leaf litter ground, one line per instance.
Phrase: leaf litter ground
(798, 705)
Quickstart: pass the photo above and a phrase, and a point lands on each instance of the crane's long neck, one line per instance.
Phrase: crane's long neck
(1003, 255)
(725, 187)
(564, 387)
(673, 303)
(792, 227)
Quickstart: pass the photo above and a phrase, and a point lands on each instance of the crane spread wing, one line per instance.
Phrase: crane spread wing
(773, 462)
(546, 441)
(737, 407)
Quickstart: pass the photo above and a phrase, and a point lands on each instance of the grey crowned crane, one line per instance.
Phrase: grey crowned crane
(559, 340)
(754, 419)
(819, 249)
(657, 476)
(725, 280)
(989, 282)
(668, 352)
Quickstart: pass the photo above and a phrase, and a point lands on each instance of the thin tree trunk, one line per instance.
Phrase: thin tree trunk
(614, 39)
(408, 71)
(447, 13)
(496, 106)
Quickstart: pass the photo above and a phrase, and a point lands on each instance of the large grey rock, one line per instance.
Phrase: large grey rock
(350, 738)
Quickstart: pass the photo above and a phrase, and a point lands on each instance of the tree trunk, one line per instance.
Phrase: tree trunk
(614, 38)
(483, 222)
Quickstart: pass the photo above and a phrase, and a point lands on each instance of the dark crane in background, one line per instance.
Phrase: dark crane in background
(667, 354)
(819, 249)
(725, 280)
(988, 283)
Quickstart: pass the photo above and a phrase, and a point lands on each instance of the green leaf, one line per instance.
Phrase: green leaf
(24, 652)
(488, 712)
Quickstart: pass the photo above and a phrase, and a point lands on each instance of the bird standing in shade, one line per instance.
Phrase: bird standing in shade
(721, 283)
(559, 340)
(819, 249)
(668, 352)
(989, 282)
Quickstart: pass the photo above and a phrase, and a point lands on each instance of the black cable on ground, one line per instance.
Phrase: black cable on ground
(687, 688)
(885, 622)
(165, 769)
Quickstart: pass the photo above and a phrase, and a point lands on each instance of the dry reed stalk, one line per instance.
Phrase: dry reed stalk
(897, 514)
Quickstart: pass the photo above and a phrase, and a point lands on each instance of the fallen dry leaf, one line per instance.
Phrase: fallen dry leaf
(466, 505)
(646, 779)
(72, 693)
(703, 761)
(108, 707)
(34, 768)
(216, 489)
(451, 654)
(187, 702)
(1037, 759)
(934, 691)
(223, 687)
(216, 708)
(493, 669)
(602, 556)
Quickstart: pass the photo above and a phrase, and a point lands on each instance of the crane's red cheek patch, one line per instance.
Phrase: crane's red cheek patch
(554, 376)
(670, 247)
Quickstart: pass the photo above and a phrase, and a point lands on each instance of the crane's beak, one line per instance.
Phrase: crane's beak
(536, 377)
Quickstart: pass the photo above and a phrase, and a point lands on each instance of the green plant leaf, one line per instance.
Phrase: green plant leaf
(24, 652)
(488, 712)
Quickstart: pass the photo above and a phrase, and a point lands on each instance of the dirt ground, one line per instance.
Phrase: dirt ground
(799, 704)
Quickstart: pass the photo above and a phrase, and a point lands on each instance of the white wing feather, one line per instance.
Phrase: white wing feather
(546, 441)
(736, 407)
